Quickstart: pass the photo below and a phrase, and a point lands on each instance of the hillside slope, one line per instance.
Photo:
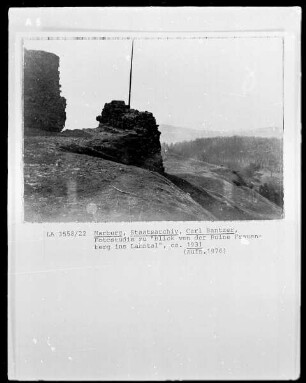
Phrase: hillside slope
(61, 186)
(220, 190)
(78, 176)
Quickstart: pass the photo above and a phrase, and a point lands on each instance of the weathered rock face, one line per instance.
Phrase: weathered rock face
(113, 114)
(44, 107)
(135, 138)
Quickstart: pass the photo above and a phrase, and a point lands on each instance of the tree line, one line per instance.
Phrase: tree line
(236, 152)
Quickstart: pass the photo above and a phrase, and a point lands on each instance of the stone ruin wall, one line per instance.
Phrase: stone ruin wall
(134, 134)
(142, 137)
(44, 107)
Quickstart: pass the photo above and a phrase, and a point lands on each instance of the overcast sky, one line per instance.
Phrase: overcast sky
(215, 84)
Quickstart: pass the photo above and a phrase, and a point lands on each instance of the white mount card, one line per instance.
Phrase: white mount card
(154, 193)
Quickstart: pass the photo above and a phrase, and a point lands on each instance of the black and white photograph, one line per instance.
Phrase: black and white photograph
(153, 129)
(154, 193)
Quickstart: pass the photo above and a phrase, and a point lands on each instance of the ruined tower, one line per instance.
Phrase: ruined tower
(44, 107)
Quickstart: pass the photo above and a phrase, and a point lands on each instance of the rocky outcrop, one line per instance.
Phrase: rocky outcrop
(61, 186)
(135, 138)
(44, 107)
(65, 186)
(124, 135)
(113, 114)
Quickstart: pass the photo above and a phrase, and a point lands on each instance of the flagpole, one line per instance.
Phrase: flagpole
(131, 70)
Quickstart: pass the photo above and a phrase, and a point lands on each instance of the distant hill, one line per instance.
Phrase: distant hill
(236, 151)
(172, 134)
(261, 132)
